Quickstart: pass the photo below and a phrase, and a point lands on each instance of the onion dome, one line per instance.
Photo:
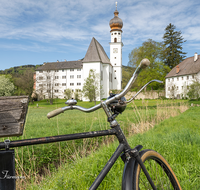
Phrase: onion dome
(116, 23)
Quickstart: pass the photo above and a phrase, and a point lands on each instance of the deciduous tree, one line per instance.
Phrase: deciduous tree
(151, 50)
(46, 86)
(6, 86)
(25, 82)
(194, 90)
(68, 93)
(92, 87)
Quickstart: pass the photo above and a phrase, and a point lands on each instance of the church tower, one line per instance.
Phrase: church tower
(116, 45)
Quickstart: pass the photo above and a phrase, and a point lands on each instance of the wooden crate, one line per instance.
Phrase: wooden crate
(13, 111)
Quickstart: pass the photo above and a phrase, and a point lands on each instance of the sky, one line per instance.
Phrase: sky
(37, 31)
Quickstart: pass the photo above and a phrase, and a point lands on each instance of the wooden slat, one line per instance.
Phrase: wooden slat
(13, 111)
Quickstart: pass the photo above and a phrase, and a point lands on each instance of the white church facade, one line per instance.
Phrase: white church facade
(53, 78)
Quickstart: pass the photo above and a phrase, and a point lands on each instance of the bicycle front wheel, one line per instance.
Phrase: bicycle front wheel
(159, 171)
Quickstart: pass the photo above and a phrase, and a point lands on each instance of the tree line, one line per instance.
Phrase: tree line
(162, 55)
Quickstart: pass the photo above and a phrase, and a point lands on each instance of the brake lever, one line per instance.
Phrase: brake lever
(155, 80)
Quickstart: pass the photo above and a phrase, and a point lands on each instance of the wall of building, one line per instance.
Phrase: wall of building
(146, 95)
(177, 87)
(60, 80)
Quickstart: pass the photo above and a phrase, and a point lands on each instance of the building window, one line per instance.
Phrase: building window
(118, 33)
(101, 75)
(182, 78)
(63, 84)
(177, 79)
(78, 76)
(78, 69)
(48, 91)
(63, 70)
(40, 85)
(168, 80)
(115, 33)
(48, 77)
(182, 87)
(115, 78)
(56, 84)
(192, 76)
(40, 78)
(78, 84)
(40, 71)
(172, 79)
(187, 77)
(55, 90)
(177, 87)
(71, 69)
(115, 57)
(115, 64)
(71, 76)
(56, 70)
(168, 88)
(115, 71)
(71, 84)
(115, 40)
(48, 71)
(56, 77)
(63, 77)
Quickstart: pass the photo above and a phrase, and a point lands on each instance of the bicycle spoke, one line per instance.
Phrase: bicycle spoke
(158, 175)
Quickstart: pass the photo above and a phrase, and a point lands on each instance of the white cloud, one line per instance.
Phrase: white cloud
(73, 23)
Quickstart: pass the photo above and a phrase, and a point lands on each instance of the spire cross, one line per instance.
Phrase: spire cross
(116, 5)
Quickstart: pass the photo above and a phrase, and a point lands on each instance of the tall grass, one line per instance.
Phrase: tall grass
(35, 162)
(177, 139)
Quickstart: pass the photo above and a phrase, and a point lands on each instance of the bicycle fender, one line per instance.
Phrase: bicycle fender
(127, 179)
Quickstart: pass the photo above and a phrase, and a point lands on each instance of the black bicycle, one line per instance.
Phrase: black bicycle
(144, 169)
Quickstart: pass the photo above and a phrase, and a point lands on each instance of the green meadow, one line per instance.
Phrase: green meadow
(167, 126)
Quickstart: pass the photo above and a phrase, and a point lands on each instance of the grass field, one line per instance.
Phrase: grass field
(34, 162)
(177, 139)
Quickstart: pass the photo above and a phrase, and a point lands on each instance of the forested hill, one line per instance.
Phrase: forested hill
(14, 70)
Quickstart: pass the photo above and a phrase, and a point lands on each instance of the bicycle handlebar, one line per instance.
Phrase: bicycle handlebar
(144, 63)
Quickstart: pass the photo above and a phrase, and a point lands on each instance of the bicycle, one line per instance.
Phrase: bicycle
(134, 159)
(144, 169)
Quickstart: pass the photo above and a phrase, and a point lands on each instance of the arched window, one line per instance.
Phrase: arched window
(115, 39)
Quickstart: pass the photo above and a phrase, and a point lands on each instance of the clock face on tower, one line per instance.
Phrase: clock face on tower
(115, 50)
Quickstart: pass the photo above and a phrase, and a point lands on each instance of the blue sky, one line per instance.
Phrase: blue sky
(37, 31)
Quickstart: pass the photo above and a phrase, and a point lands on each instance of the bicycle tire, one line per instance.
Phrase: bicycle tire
(159, 170)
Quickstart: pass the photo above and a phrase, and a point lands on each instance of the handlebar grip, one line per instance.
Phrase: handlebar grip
(145, 62)
(54, 113)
